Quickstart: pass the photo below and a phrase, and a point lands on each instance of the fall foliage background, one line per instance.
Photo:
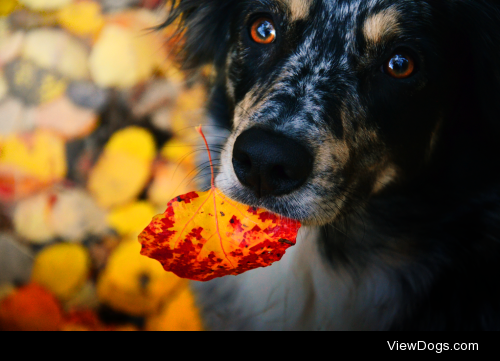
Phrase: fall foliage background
(96, 136)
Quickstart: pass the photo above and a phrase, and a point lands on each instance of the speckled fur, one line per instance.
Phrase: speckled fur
(402, 209)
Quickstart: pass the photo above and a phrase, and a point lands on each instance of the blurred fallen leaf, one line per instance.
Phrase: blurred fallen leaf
(189, 110)
(168, 179)
(15, 117)
(8, 6)
(82, 18)
(62, 269)
(135, 284)
(29, 163)
(180, 152)
(30, 308)
(32, 219)
(159, 93)
(181, 314)
(75, 215)
(85, 298)
(54, 49)
(33, 84)
(10, 46)
(113, 59)
(45, 4)
(82, 320)
(124, 168)
(130, 220)
(65, 118)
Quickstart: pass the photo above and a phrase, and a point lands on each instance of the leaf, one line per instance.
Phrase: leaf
(56, 50)
(29, 163)
(124, 168)
(169, 179)
(202, 236)
(65, 118)
(82, 18)
(135, 285)
(130, 219)
(62, 269)
(181, 314)
(31, 308)
(45, 4)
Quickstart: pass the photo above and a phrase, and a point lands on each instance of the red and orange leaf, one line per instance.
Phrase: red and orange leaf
(205, 235)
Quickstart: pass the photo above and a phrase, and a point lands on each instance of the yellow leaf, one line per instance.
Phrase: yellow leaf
(133, 141)
(45, 4)
(189, 110)
(134, 284)
(113, 61)
(131, 219)
(62, 269)
(118, 179)
(169, 179)
(41, 155)
(179, 315)
(124, 168)
(30, 162)
(51, 88)
(82, 18)
(7, 7)
(179, 152)
(54, 49)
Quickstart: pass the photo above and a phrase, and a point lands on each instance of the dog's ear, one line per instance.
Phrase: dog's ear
(204, 26)
(479, 21)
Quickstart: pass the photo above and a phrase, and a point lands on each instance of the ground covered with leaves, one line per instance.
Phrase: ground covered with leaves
(96, 137)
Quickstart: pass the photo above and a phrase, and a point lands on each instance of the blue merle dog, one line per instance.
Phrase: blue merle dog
(376, 123)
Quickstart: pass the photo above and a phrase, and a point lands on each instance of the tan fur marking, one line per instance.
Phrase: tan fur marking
(299, 9)
(386, 176)
(243, 108)
(382, 25)
(341, 152)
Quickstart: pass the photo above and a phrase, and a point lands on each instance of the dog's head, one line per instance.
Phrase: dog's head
(334, 102)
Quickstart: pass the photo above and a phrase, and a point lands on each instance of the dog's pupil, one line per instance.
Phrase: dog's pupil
(399, 64)
(265, 29)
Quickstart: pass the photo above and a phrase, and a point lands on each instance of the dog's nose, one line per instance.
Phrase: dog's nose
(269, 163)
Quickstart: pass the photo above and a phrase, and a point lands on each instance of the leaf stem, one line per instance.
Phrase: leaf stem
(199, 130)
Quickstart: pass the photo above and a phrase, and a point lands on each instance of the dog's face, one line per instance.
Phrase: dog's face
(331, 99)
(333, 102)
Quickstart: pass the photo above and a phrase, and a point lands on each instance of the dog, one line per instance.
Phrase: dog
(376, 123)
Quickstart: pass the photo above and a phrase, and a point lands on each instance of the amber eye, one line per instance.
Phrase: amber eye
(263, 31)
(400, 65)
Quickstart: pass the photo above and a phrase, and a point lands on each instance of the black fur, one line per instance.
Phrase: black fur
(434, 229)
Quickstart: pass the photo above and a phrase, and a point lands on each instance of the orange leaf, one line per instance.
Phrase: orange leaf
(202, 236)
(31, 308)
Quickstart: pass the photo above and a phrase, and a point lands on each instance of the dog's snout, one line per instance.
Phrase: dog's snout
(269, 163)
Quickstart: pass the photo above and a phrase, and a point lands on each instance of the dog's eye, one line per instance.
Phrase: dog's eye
(400, 66)
(263, 31)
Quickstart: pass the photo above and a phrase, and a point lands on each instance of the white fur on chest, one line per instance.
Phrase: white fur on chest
(302, 292)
